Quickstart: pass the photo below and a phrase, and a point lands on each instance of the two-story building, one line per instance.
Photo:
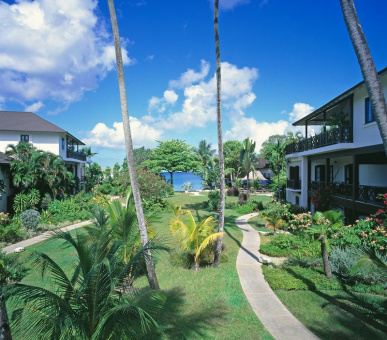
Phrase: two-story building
(28, 127)
(343, 150)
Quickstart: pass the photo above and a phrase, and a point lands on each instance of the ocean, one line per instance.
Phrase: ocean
(181, 177)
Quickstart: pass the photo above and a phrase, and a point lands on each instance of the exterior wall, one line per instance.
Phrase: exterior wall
(339, 164)
(365, 134)
(3, 199)
(373, 175)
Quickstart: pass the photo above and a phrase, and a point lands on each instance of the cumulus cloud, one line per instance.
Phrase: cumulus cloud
(53, 50)
(199, 104)
(35, 107)
(300, 110)
(113, 138)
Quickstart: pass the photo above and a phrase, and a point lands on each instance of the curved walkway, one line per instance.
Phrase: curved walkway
(41, 237)
(266, 305)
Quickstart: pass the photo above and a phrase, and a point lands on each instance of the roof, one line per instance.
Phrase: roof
(262, 163)
(335, 101)
(28, 122)
(4, 159)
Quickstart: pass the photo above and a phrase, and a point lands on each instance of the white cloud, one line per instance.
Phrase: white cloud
(170, 96)
(35, 107)
(2, 103)
(150, 57)
(229, 4)
(300, 110)
(113, 138)
(190, 76)
(258, 131)
(53, 50)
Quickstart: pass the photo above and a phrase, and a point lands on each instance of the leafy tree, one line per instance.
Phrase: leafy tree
(98, 301)
(89, 154)
(153, 187)
(210, 174)
(367, 66)
(94, 176)
(232, 151)
(141, 155)
(152, 278)
(205, 152)
(193, 237)
(171, 156)
(247, 157)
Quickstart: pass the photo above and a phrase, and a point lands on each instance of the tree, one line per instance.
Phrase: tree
(193, 237)
(94, 176)
(247, 157)
(171, 156)
(210, 174)
(219, 241)
(93, 303)
(205, 152)
(89, 154)
(232, 151)
(367, 66)
(152, 278)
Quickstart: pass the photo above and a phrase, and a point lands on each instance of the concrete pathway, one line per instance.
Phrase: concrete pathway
(42, 237)
(266, 305)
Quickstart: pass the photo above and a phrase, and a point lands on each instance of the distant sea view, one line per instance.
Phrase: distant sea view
(181, 177)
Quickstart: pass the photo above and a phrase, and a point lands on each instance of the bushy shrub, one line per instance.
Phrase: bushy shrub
(287, 244)
(304, 261)
(105, 188)
(233, 191)
(4, 219)
(46, 200)
(249, 207)
(23, 202)
(170, 190)
(71, 209)
(245, 196)
(213, 200)
(241, 202)
(13, 232)
(230, 205)
(30, 219)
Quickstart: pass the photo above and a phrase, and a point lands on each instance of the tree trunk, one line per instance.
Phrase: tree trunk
(367, 66)
(5, 330)
(171, 173)
(324, 255)
(219, 241)
(152, 278)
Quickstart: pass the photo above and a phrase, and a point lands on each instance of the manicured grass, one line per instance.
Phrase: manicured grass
(208, 304)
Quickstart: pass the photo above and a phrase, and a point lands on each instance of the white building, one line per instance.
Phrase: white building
(28, 127)
(347, 155)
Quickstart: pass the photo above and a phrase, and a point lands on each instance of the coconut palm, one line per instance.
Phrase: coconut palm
(92, 303)
(205, 152)
(219, 242)
(273, 216)
(152, 278)
(89, 154)
(367, 66)
(192, 236)
(247, 157)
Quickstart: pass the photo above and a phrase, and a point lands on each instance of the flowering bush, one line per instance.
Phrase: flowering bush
(300, 222)
(321, 198)
(4, 219)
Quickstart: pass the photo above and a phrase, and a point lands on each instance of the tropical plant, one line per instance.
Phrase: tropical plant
(273, 215)
(30, 219)
(321, 198)
(367, 66)
(30, 200)
(193, 237)
(323, 224)
(210, 174)
(232, 151)
(187, 186)
(89, 154)
(368, 260)
(98, 301)
(247, 157)
(204, 151)
(152, 278)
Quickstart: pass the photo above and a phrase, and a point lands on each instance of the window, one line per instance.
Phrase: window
(348, 174)
(369, 115)
(319, 173)
(25, 138)
(63, 144)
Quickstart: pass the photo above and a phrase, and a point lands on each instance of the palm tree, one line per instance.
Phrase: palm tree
(204, 151)
(93, 303)
(152, 278)
(219, 242)
(247, 157)
(88, 153)
(367, 66)
(193, 237)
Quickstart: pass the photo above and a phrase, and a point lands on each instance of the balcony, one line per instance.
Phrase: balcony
(293, 184)
(363, 193)
(333, 136)
(76, 155)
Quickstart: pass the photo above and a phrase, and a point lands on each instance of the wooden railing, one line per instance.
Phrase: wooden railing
(76, 155)
(334, 136)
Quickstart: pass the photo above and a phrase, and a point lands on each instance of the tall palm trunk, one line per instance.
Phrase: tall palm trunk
(5, 330)
(219, 241)
(367, 66)
(324, 255)
(152, 279)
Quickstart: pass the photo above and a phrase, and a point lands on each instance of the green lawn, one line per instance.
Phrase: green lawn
(208, 304)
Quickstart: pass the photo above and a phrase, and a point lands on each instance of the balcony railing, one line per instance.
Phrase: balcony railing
(76, 155)
(334, 136)
(293, 184)
(364, 193)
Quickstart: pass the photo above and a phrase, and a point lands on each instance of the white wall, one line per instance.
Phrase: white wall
(373, 175)
(3, 199)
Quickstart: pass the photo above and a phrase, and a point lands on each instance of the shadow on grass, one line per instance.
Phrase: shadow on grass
(176, 323)
(351, 312)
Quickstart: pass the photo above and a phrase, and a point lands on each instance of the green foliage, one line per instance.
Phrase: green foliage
(140, 156)
(4, 219)
(299, 278)
(213, 202)
(45, 202)
(322, 198)
(204, 152)
(274, 151)
(30, 219)
(13, 232)
(26, 201)
(210, 174)
(249, 207)
(187, 186)
(11, 269)
(287, 244)
(93, 175)
(231, 151)
(233, 191)
(105, 188)
(153, 188)
(247, 157)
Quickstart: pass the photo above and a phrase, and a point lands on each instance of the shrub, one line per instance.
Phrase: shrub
(30, 219)
(27, 201)
(241, 202)
(170, 190)
(153, 188)
(214, 200)
(105, 188)
(13, 232)
(304, 261)
(249, 207)
(321, 198)
(230, 205)
(4, 219)
(244, 196)
(187, 186)
(233, 191)
(46, 200)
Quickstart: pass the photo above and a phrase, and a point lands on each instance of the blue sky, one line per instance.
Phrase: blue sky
(280, 59)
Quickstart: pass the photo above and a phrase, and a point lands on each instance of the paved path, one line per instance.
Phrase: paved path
(266, 305)
(41, 237)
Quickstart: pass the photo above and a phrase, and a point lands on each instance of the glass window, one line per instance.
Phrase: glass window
(319, 173)
(63, 144)
(25, 138)
(369, 115)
